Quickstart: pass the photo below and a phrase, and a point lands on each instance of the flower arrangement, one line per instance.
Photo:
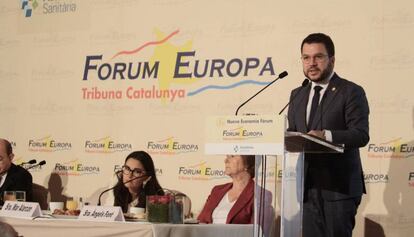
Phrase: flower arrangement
(165, 208)
(158, 208)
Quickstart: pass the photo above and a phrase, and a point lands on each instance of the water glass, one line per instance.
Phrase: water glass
(9, 196)
(20, 196)
(55, 205)
(176, 212)
(71, 204)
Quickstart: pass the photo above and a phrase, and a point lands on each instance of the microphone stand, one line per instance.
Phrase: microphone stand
(304, 84)
(39, 164)
(30, 162)
(281, 75)
(111, 188)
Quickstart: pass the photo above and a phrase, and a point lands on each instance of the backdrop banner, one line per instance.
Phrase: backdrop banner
(84, 83)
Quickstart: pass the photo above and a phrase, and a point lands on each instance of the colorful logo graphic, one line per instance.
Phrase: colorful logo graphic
(376, 178)
(48, 144)
(75, 168)
(240, 133)
(28, 6)
(48, 7)
(201, 171)
(170, 146)
(174, 68)
(106, 145)
(396, 149)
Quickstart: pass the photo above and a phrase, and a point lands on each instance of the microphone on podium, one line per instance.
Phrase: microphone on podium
(118, 173)
(304, 84)
(38, 164)
(30, 162)
(281, 75)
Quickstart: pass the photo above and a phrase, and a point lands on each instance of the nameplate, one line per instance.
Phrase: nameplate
(101, 213)
(244, 135)
(21, 209)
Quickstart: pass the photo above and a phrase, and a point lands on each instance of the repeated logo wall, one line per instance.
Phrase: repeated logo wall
(84, 83)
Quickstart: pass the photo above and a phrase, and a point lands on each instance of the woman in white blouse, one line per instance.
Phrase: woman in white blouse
(232, 203)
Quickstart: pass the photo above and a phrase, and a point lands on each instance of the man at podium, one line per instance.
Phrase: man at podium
(336, 110)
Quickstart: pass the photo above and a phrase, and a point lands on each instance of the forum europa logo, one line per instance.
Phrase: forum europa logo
(175, 70)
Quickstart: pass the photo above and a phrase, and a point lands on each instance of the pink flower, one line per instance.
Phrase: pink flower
(152, 199)
(164, 199)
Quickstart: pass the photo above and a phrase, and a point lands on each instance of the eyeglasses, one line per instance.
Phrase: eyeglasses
(318, 58)
(135, 172)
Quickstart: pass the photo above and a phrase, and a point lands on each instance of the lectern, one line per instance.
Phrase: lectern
(266, 136)
(296, 145)
(252, 135)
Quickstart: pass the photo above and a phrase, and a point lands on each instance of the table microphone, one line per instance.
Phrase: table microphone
(304, 84)
(30, 162)
(117, 175)
(38, 164)
(281, 75)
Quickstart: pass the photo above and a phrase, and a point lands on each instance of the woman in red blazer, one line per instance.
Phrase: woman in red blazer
(232, 203)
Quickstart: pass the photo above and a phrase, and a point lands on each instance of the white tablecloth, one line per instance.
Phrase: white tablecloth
(76, 228)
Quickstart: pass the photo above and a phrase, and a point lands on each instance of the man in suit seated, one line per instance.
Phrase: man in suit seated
(12, 177)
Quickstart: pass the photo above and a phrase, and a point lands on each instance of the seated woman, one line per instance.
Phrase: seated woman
(224, 205)
(136, 181)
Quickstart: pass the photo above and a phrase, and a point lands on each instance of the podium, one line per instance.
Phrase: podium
(296, 145)
(261, 136)
(266, 138)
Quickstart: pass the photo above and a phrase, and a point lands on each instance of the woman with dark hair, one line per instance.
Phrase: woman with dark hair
(136, 180)
(232, 203)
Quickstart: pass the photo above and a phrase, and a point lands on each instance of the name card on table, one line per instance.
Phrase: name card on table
(101, 213)
(21, 209)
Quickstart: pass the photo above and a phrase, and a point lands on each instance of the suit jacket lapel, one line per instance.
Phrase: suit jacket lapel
(9, 181)
(242, 201)
(302, 126)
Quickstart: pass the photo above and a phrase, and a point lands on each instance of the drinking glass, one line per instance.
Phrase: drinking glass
(71, 204)
(9, 196)
(56, 205)
(20, 196)
(176, 212)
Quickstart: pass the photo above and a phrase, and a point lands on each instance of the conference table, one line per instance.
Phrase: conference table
(73, 228)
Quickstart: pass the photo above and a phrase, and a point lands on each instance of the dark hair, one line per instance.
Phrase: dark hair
(320, 38)
(152, 187)
(249, 162)
(7, 230)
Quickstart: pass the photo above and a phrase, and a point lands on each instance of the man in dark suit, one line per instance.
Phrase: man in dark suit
(336, 110)
(12, 177)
